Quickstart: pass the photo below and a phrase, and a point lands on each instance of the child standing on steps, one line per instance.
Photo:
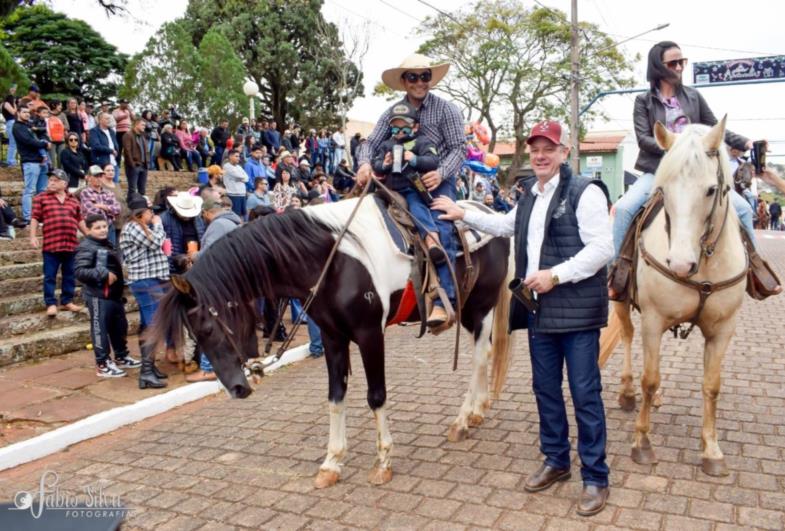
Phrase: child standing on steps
(98, 268)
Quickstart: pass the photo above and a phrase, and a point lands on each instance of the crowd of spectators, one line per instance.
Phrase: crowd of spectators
(71, 157)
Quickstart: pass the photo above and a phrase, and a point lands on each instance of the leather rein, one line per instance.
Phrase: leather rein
(708, 245)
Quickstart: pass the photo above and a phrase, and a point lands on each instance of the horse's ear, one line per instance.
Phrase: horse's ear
(182, 285)
(716, 135)
(664, 137)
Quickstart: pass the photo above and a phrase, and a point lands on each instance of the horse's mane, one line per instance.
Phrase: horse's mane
(687, 156)
(255, 259)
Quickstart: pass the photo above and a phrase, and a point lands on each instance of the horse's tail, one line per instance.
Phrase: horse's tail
(501, 340)
(169, 321)
(611, 334)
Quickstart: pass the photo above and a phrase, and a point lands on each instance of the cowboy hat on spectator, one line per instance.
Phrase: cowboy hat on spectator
(416, 61)
(186, 205)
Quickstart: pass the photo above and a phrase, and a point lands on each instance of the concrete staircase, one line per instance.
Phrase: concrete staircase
(25, 331)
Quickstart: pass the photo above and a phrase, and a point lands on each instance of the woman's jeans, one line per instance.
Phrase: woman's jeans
(147, 293)
(637, 195)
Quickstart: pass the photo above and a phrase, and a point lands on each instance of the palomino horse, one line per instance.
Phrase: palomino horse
(690, 269)
(281, 256)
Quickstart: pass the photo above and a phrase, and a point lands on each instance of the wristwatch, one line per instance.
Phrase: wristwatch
(555, 279)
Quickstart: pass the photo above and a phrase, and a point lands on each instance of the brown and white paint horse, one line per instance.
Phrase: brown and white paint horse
(281, 256)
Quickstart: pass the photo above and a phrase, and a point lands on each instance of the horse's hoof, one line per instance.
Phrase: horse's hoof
(379, 476)
(643, 456)
(325, 478)
(457, 434)
(714, 467)
(627, 402)
(476, 420)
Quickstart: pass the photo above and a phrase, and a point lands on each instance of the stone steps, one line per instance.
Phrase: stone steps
(52, 342)
(15, 271)
(30, 323)
(25, 330)
(19, 257)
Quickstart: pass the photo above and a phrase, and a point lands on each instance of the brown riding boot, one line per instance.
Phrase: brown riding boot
(438, 321)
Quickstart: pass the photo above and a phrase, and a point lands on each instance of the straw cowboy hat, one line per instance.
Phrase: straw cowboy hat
(416, 61)
(186, 205)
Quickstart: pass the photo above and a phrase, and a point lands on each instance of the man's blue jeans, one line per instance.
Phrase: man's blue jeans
(315, 336)
(431, 223)
(637, 195)
(35, 182)
(580, 350)
(9, 131)
(63, 261)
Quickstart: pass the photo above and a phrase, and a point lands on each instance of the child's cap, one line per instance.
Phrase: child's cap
(403, 110)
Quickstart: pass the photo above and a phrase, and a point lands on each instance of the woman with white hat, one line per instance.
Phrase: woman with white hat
(442, 123)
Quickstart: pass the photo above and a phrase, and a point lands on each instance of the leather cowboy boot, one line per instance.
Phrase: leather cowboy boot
(147, 376)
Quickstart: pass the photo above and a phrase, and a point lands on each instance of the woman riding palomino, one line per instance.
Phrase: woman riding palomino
(674, 105)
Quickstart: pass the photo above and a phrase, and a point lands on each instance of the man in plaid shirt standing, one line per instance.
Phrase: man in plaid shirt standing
(61, 216)
(440, 122)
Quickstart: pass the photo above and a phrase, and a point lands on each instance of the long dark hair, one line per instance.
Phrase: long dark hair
(656, 70)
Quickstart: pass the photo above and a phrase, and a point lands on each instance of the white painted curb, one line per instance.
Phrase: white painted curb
(106, 421)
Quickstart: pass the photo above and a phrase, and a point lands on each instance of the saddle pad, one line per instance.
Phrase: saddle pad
(474, 238)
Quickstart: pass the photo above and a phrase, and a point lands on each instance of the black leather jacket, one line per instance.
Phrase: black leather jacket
(94, 260)
(649, 109)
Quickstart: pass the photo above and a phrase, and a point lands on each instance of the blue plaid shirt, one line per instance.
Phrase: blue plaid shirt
(440, 120)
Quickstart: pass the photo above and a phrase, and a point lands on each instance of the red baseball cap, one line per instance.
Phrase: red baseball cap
(550, 129)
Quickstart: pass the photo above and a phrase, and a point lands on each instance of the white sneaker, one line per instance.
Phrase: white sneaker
(109, 370)
(127, 363)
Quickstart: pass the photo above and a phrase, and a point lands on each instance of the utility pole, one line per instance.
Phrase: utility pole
(574, 73)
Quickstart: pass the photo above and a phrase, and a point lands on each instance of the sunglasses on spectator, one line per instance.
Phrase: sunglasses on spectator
(73, 140)
(676, 62)
(412, 77)
(406, 130)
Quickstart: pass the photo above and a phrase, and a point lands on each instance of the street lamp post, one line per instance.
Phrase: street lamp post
(251, 89)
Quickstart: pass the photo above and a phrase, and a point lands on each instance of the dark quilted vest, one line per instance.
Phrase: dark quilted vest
(568, 307)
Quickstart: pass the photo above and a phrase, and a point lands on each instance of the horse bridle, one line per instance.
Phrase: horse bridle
(708, 246)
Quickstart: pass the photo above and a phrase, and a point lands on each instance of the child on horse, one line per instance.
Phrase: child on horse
(402, 159)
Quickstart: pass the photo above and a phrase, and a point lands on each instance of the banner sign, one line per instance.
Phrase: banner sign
(739, 69)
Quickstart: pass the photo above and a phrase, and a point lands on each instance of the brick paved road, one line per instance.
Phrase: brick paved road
(226, 464)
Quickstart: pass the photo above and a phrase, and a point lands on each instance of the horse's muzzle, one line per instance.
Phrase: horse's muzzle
(240, 391)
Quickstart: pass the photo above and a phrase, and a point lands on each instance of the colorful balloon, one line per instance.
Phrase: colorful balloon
(474, 153)
(481, 132)
(478, 167)
(491, 160)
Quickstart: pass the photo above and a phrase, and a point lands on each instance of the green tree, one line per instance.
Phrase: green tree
(61, 55)
(511, 64)
(283, 53)
(164, 73)
(220, 79)
(204, 82)
(10, 72)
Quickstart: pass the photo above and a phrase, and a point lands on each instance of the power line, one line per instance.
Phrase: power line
(381, 26)
(701, 46)
(399, 10)
(446, 14)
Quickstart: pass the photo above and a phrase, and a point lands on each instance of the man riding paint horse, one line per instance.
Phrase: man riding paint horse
(440, 122)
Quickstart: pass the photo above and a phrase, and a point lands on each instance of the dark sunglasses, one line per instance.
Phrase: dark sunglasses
(412, 77)
(676, 62)
(73, 140)
(406, 130)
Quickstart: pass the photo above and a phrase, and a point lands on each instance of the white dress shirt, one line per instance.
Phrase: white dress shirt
(594, 228)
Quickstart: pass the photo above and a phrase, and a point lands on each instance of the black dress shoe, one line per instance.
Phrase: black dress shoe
(19, 223)
(593, 500)
(545, 477)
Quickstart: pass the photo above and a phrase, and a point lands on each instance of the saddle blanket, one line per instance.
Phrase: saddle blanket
(474, 238)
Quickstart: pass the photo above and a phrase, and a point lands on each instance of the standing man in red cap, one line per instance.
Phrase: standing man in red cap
(563, 241)
(441, 123)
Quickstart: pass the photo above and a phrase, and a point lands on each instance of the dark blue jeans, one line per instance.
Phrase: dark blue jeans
(65, 262)
(580, 350)
(147, 293)
(430, 220)
(239, 205)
